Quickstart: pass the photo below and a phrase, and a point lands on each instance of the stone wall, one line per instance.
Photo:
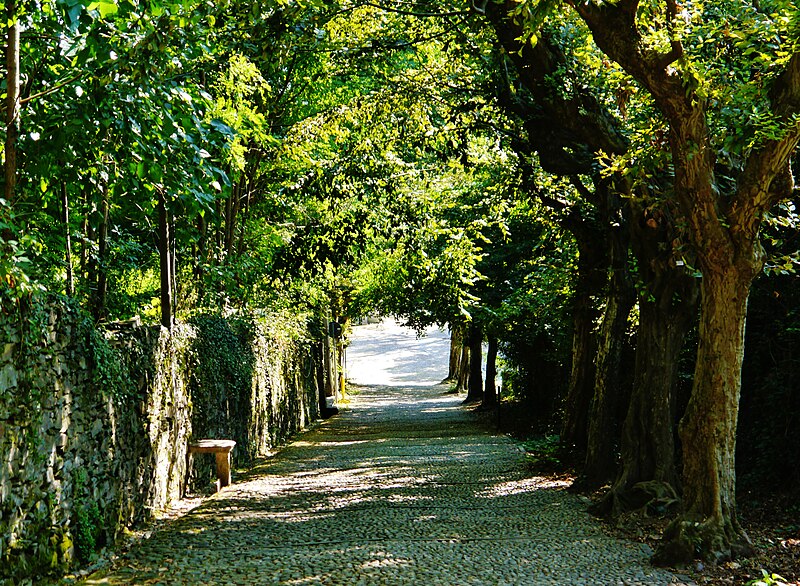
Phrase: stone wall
(256, 384)
(94, 425)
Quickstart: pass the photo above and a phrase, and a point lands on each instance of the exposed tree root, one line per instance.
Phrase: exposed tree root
(711, 541)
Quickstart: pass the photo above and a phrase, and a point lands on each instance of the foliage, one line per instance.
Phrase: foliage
(89, 532)
(768, 579)
(223, 372)
(542, 452)
(341, 157)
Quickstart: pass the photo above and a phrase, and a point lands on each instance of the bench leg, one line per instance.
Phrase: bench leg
(223, 468)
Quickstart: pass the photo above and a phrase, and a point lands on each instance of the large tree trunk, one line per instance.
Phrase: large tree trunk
(603, 427)
(490, 388)
(475, 385)
(723, 226)
(648, 473)
(165, 262)
(12, 100)
(589, 283)
(667, 311)
(709, 523)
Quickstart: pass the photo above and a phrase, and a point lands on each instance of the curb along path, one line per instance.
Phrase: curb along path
(404, 487)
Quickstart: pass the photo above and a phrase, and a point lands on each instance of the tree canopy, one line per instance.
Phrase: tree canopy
(591, 185)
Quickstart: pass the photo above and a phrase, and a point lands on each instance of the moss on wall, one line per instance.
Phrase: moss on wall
(94, 425)
(255, 382)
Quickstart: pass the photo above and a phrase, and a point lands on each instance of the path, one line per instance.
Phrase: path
(404, 487)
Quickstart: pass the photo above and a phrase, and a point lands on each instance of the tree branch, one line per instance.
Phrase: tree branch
(563, 123)
(51, 90)
(766, 178)
(676, 50)
(590, 196)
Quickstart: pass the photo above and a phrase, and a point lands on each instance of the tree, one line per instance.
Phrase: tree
(570, 131)
(723, 214)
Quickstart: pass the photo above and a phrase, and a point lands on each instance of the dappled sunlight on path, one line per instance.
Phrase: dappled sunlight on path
(404, 487)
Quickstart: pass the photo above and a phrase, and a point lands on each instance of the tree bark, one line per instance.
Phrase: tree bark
(91, 261)
(668, 302)
(86, 238)
(12, 100)
(173, 257)
(475, 385)
(589, 284)
(245, 216)
(603, 426)
(67, 240)
(201, 257)
(165, 262)
(99, 303)
(709, 523)
(456, 342)
(462, 383)
(490, 388)
(723, 226)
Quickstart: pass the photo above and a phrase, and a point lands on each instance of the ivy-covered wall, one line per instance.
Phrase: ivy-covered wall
(255, 382)
(94, 425)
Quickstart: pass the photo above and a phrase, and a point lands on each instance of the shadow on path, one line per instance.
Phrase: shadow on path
(404, 487)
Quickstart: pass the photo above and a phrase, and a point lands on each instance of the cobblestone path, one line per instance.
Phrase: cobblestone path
(404, 487)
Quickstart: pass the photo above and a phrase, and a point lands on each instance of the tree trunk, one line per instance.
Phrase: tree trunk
(603, 425)
(344, 323)
(456, 343)
(12, 101)
(91, 261)
(244, 217)
(490, 389)
(667, 311)
(86, 238)
(475, 385)
(232, 206)
(589, 283)
(201, 258)
(462, 381)
(724, 228)
(219, 239)
(101, 293)
(165, 262)
(173, 257)
(67, 240)
(709, 523)
(648, 475)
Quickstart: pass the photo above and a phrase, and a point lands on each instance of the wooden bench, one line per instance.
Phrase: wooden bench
(222, 450)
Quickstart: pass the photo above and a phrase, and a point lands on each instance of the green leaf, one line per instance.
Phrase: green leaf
(105, 9)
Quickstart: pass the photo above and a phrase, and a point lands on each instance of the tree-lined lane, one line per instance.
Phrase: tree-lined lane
(406, 486)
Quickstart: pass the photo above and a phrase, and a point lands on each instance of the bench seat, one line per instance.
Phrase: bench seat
(222, 451)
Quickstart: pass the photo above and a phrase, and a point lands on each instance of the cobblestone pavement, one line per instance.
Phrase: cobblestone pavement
(405, 486)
